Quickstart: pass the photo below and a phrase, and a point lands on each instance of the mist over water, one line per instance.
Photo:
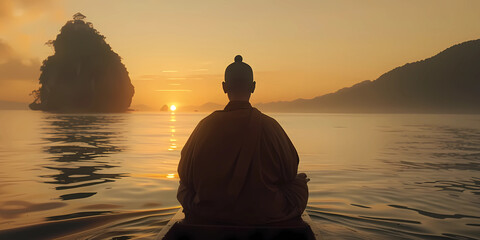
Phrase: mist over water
(373, 176)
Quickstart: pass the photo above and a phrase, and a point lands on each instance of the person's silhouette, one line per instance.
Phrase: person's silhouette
(239, 166)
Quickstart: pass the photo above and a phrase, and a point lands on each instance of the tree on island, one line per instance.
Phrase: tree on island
(84, 74)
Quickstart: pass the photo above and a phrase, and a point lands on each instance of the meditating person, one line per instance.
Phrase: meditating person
(239, 166)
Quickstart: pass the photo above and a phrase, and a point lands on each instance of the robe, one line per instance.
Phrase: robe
(240, 167)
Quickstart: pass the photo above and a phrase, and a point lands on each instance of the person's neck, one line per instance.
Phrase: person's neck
(235, 105)
(236, 98)
(231, 100)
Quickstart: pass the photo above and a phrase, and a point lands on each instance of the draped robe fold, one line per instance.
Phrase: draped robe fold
(240, 167)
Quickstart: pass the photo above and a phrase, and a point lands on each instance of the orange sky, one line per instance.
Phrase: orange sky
(177, 51)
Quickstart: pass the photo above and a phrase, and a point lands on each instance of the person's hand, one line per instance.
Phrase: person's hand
(303, 176)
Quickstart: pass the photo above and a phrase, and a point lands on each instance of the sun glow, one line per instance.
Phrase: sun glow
(173, 108)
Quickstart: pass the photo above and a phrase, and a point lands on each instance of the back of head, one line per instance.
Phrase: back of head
(239, 76)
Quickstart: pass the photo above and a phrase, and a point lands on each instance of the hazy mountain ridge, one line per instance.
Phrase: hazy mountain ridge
(207, 107)
(8, 105)
(448, 82)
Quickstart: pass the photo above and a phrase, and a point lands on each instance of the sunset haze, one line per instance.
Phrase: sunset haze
(176, 52)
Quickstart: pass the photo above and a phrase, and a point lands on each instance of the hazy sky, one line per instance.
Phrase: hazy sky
(177, 51)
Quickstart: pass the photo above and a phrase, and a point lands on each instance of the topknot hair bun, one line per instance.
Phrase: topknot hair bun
(238, 58)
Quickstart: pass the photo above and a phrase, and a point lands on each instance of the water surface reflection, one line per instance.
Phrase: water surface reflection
(78, 145)
(113, 176)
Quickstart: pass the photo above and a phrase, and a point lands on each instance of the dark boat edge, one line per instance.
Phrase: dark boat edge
(179, 216)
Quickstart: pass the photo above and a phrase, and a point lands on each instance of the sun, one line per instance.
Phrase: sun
(173, 108)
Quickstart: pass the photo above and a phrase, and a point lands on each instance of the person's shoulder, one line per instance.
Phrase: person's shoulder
(267, 120)
(210, 117)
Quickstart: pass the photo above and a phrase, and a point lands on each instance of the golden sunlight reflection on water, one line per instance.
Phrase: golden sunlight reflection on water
(173, 140)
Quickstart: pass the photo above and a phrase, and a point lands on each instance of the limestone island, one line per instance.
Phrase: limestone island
(83, 75)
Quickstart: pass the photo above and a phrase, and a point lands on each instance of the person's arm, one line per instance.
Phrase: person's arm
(186, 192)
(296, 191)
(284, 162)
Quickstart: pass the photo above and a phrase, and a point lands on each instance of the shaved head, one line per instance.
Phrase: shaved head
(239, 83)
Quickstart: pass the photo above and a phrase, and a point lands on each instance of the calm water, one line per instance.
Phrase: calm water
(113, 176)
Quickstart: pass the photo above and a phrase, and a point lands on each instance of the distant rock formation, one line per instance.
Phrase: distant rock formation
(84, 74)
(448, 82)
(164, 108)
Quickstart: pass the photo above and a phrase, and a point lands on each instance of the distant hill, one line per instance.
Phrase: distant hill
(143, 108)
(6, 105)
(207, 107)
(448, 82)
